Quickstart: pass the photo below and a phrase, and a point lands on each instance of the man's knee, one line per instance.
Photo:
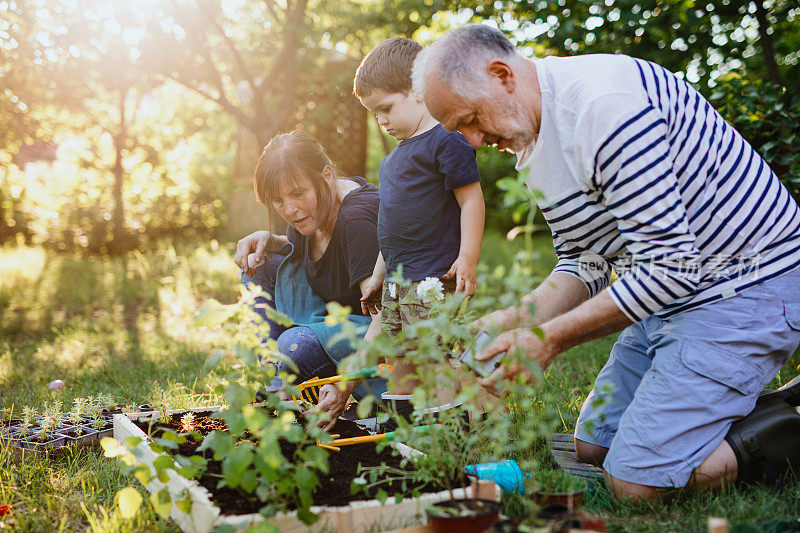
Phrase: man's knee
(590, 453)
(634, 492)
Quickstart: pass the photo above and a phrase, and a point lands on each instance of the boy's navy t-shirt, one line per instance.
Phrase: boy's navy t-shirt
(419, 221)
(352, 251)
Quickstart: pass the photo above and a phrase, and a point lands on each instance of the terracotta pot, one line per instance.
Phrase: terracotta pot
(481, 515)
(570, 500)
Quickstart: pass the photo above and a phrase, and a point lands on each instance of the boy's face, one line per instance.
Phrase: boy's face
(399, 114)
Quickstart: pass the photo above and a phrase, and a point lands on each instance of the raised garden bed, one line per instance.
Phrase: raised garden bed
(212, 507)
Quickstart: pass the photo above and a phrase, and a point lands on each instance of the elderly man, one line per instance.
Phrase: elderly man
(641, 175)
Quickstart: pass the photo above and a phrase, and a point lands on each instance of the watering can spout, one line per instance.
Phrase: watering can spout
(506, 473)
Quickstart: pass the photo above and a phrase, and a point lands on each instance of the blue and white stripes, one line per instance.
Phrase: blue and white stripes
(664, 191)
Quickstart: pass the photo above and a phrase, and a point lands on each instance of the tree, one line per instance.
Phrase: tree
(703, 39)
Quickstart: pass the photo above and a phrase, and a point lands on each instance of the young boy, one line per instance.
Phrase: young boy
(431, 213)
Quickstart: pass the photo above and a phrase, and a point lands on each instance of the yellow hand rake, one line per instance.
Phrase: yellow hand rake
(308, 390)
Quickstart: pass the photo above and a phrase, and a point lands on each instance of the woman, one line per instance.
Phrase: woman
(327, 254)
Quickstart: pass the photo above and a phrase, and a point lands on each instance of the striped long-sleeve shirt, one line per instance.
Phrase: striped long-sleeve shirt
(641, 175)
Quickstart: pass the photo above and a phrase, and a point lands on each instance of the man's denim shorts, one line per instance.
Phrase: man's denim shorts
(671, 388)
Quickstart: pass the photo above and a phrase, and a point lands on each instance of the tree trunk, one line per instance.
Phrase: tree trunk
(118, 215)
(767, 47)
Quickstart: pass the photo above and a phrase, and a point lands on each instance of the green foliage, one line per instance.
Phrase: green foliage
(769, 118)
(250, 451)
(702, 41)
(558, 481)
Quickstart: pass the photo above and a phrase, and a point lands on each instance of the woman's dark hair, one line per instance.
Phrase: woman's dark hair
(291, 159)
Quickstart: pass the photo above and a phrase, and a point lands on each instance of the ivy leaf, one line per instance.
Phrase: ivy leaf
(129, 501)
(174, 437)
(163, 462)
(162, 503)
(237, 395)
(212, 313)
(132, 442)
(166, 443)
(381, 496)
(184, 506)
(213, 360)
(306, 516)
(112, 447)
(245, 353)
(143, 475)
(219, 441)
(236, 463)
(249, 481)
(305, 478)
(365, 406)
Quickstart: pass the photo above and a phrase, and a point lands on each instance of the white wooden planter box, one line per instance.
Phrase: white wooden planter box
(368, 515)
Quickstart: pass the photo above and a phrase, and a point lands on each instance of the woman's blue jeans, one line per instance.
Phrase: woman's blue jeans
(299, 343)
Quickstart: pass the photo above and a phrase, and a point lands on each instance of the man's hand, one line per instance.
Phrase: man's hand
(502, 319)
(371, 289)
(516, 341)
(465, 271)
(333, 402)
(251, 251)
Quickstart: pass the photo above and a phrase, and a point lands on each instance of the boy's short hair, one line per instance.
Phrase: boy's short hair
(387, 67)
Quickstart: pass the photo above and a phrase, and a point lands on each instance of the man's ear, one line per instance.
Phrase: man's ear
(503, 73)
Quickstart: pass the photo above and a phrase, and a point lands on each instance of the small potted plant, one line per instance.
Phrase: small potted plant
(98, 421)
(557, 487)
(79, 408)
(79, 432)
(7, 417)
(45, 437)
(29, 415)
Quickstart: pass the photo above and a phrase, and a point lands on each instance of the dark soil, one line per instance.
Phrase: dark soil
(334, 487)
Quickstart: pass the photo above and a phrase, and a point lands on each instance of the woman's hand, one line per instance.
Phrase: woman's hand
(251, 251)
(333, 402)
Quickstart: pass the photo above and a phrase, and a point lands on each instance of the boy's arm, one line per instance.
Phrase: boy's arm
(465, 267)
(372, 286)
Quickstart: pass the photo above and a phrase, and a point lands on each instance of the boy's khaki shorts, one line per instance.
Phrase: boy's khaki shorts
(402, 306)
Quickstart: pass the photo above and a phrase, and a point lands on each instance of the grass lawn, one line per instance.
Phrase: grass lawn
(124, 327)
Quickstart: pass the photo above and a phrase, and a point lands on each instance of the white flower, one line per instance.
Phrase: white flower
(430, 289)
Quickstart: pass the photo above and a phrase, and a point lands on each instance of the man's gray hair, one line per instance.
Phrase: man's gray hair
(460, 58)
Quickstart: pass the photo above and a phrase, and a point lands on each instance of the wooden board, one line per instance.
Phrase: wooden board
(369, 515)
(562, 450)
